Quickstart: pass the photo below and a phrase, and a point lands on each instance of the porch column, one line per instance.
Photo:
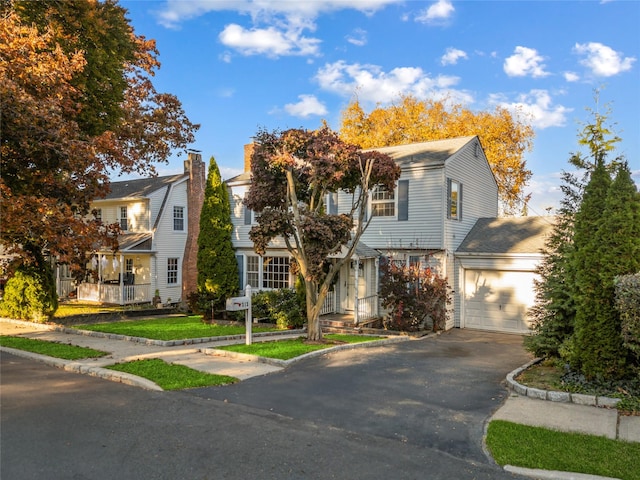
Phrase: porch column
(357, 285)
(121, 294)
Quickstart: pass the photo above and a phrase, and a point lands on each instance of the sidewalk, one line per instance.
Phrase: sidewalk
(192, 355)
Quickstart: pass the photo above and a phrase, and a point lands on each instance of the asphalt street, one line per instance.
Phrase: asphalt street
(413, 410)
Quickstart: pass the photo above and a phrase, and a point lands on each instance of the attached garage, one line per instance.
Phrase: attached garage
(496, 266)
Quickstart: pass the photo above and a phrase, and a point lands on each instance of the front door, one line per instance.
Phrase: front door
(351, 284)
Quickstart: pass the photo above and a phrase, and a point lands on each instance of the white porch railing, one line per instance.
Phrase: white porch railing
(115, 294)
(65, 287)
(329, 305)
(367, 308)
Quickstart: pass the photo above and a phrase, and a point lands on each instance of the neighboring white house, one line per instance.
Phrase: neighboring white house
(444, 188)
(159, 220)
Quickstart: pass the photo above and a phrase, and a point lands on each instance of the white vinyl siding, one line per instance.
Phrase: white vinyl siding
(418, 222)
(168, 242)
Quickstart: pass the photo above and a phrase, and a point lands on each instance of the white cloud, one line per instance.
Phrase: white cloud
(174, 12)
(525, 61)
(571, 76)
(277, 27)
(307, 106)
(373, 85)
(358, 37)
(267, 41)
(537, 105)
(452, 55)
(603, 61)
(437, 13)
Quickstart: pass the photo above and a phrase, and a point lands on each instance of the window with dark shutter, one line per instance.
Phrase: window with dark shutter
(247, 216)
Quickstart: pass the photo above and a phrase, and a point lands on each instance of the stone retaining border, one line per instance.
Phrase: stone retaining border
(555, 396)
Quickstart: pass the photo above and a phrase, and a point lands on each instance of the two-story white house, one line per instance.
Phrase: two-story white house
(444, 188)
(159, 223)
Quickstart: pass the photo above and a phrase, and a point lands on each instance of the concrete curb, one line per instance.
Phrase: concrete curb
(553, 474)
(77, 367)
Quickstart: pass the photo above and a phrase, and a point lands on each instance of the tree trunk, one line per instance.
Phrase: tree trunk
(315, 300)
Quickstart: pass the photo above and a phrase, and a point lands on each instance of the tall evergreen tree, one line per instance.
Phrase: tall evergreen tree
(217, 266)
(553, 313)
(595, 349)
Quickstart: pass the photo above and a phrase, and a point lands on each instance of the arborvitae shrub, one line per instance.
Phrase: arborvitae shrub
(30, 295)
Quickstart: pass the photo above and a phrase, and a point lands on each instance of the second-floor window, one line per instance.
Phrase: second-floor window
(383, 203)
(454, 197)
(178, 219)
(124, 221)
(97, 214)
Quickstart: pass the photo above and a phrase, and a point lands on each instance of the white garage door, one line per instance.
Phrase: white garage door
(498, 300)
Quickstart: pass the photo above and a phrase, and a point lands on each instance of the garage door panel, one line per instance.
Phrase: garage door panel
(498, 300)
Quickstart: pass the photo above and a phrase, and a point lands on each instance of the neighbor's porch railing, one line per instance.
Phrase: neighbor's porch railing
(65, 287)
(115, 294)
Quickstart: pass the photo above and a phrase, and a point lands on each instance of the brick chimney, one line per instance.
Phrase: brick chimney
(248, 151)
(195, 168)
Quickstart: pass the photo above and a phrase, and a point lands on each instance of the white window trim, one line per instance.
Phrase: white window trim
(389, 201)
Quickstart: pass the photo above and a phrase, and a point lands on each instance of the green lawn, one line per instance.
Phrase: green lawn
(171, 376)
(51, 349)
(170, 328)
(536, 447)
(287, 349)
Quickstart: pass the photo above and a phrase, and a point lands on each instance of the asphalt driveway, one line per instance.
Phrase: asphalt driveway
(436, 392)
(405, 411)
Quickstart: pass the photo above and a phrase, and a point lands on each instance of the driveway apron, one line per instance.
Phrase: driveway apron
(436, 392)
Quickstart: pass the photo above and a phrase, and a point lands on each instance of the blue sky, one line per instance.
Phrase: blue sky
(241, 65)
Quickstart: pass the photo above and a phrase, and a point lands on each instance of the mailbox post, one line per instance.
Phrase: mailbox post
(235, 304)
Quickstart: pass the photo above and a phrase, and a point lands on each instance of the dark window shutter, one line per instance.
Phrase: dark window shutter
(448, 205)
(247, 216)
(403, 200)
(333, 203)
(240, 260)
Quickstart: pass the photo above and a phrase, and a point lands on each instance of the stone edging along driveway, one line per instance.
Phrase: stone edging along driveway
(555, 396)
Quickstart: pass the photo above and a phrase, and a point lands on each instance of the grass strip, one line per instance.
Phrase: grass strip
(288, 349)
(51, 349)
(170, 376)
(541, 448)
(170, 328)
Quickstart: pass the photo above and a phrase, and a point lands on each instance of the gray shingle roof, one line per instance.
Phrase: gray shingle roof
(139, 188)
(507, 235)
(428, 153)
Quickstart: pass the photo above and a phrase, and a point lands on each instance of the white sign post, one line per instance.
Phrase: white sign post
(235, 304)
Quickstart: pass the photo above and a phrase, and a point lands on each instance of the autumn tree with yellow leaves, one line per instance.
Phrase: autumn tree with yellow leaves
(504, 137)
